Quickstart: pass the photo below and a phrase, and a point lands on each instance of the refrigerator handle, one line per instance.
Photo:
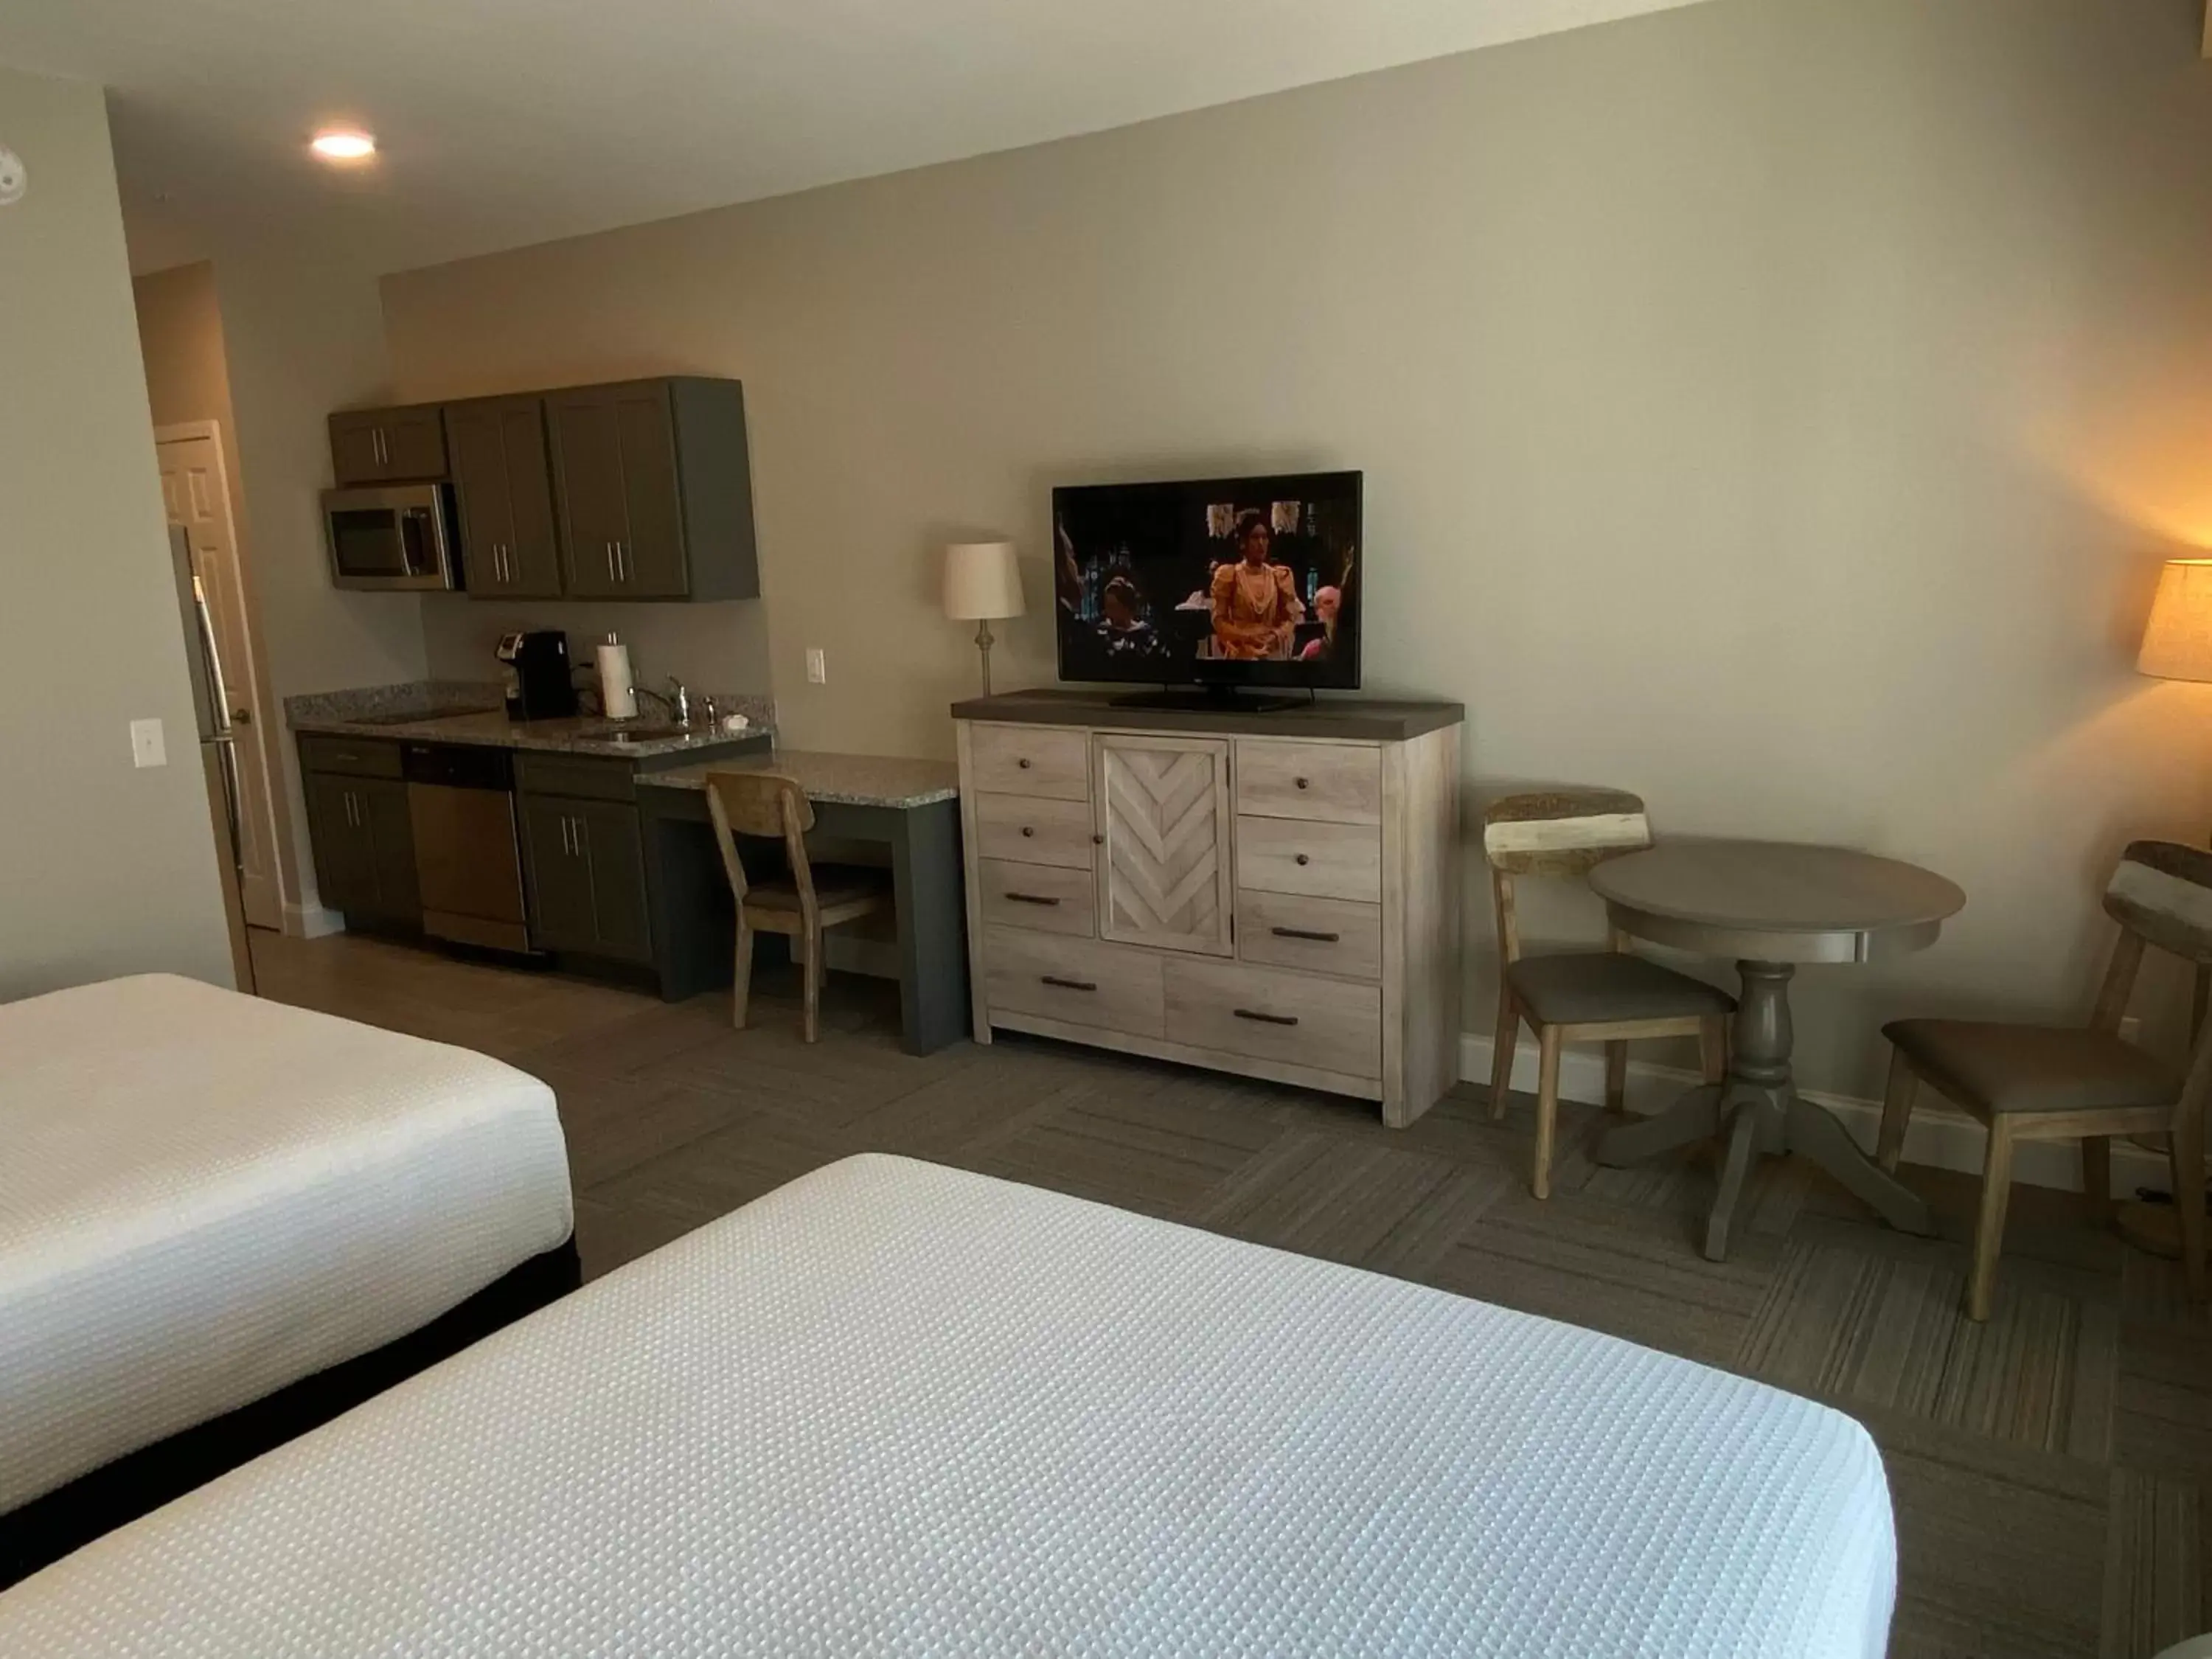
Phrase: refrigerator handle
(218, 688)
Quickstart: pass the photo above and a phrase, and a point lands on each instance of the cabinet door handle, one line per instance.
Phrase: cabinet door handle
(1031, 898)
(1306, 933)
(1023, 763)
(1265, 1019)
(566, 848)
(581, 844)
(351, 821)
(1303, 860)
(1069, 984)
(1028, 829)
(622, 561)
(1301, 782)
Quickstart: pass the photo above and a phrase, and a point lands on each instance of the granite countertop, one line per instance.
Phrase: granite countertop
(842, 780)
(460, 712)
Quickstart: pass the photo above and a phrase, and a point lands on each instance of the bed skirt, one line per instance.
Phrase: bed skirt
(51, 1526)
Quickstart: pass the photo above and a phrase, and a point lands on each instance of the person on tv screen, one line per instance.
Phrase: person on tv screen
(1256, 604)
(1327, 603)
(1123, 634)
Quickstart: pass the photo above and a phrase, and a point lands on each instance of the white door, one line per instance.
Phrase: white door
(194, 490)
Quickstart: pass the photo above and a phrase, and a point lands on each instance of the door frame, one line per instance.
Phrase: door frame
(262, 736)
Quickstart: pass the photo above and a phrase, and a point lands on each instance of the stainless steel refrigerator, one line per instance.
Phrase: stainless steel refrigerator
(218, 744)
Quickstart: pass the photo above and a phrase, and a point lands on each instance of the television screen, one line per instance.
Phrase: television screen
(1222, 581)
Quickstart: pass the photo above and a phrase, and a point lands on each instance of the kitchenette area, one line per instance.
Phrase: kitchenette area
(580, 843)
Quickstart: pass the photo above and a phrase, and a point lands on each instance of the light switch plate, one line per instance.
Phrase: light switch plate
(148, 746)
(818, 669)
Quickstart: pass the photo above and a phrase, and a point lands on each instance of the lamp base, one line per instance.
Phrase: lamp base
(983, 644)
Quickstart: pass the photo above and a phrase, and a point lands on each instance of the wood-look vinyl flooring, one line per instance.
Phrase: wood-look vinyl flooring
(2050, 1469)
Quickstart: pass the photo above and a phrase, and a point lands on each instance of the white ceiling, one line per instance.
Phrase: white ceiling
(504, 122)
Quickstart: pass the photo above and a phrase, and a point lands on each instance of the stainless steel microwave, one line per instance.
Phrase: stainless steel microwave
(392, 536)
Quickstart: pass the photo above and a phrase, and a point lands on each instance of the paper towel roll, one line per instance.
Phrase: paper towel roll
(617, 690)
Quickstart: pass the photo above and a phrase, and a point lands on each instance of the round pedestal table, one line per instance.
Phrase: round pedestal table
(1770, 905)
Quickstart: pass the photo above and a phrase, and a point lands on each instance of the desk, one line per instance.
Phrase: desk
(911, 806)
(1771, 905)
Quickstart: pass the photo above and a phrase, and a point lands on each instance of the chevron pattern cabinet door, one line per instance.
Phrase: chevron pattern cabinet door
(1165, 878)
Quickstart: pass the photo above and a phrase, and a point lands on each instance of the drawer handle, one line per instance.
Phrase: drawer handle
(1069, 984)
(1027, 830)
(1023, 763)
(1031, 898)
(1302, 783)
(1098, 841)
(1306, 933)
(1303, 860)
(1265, 1019)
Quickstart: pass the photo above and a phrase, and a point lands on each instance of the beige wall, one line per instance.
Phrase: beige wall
(1778, 407)
(109, 869)
(303, 334)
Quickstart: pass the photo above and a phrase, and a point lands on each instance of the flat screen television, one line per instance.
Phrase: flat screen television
(1218, 583)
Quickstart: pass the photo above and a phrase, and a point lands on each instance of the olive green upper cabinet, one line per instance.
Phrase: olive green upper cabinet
(388, 446)
(504, 479)
(654, 490)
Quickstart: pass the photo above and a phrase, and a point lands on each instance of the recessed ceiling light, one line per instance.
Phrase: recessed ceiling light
(343, 146)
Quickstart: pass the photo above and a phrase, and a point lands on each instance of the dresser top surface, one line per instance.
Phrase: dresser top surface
(1377, 719)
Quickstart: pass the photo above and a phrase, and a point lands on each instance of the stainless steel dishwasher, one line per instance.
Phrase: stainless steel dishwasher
(468, 856)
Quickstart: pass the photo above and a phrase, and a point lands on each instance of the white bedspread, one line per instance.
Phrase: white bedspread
(204, 1197)
(892, 1409)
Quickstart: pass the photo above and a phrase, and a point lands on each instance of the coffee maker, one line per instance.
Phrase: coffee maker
(535, 667)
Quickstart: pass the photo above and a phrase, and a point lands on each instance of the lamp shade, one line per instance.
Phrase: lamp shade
(981, 581)
(2178, 639)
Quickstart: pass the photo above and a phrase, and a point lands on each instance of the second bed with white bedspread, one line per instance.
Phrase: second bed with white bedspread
(897, 1409)
(205, 1197)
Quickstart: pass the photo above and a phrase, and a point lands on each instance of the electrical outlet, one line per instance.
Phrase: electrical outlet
(818, 671)
(148, 746)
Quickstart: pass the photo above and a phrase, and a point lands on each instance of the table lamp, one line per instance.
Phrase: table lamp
(982, 585)
(2178, 639)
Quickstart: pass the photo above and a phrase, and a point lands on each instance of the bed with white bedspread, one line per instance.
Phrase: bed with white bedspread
(205, 1197)
(897, 1409)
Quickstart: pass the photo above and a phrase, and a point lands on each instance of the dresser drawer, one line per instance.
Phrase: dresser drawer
(1297, 855)
(1324, 935)
(1322, 1022)
(1042, 897)
(1340, 782)
(1053, 761)
(1079, 980)
(1032, 831)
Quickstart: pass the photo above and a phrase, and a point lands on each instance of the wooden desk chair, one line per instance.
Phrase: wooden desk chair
(2075, 1083)
(802, 907)
(1595, 996)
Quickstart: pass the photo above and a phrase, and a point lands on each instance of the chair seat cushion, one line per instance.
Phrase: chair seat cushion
(834, 884)
(2031, 1068)
(1601, 987)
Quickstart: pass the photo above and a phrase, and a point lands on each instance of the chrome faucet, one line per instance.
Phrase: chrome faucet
(681, 703)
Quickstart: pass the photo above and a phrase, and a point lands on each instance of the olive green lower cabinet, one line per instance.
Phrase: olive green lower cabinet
(586, 865)
(363, 837)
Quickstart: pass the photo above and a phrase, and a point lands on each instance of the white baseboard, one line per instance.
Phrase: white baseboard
(1940, 1135)
(312, 920)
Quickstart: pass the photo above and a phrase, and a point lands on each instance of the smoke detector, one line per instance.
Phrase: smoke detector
(14, 178)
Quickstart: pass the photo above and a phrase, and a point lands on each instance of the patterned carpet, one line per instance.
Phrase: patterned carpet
(2048, 1468)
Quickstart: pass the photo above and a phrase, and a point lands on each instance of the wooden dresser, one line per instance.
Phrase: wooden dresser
(1274, 894)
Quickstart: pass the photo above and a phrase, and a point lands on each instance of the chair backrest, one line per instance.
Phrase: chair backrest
(1563, 832)
(2161, 891)
(761, 804)
(1557, 832)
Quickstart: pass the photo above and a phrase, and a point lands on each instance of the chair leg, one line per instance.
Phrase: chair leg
(2185, 1149)
(1989, 1223)
(1713, 1049)
(1548, 1107)
(812, 968)
(1616, 1077)
(1501, 1053)
(741, 980)
(2097, 1179)
(1896, 1111)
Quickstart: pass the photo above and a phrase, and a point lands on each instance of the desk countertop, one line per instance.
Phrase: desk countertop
(841, 779)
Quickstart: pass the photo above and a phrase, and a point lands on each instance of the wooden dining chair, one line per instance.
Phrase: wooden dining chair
(1606, 996)
(802, 906)
(2075, 1083)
